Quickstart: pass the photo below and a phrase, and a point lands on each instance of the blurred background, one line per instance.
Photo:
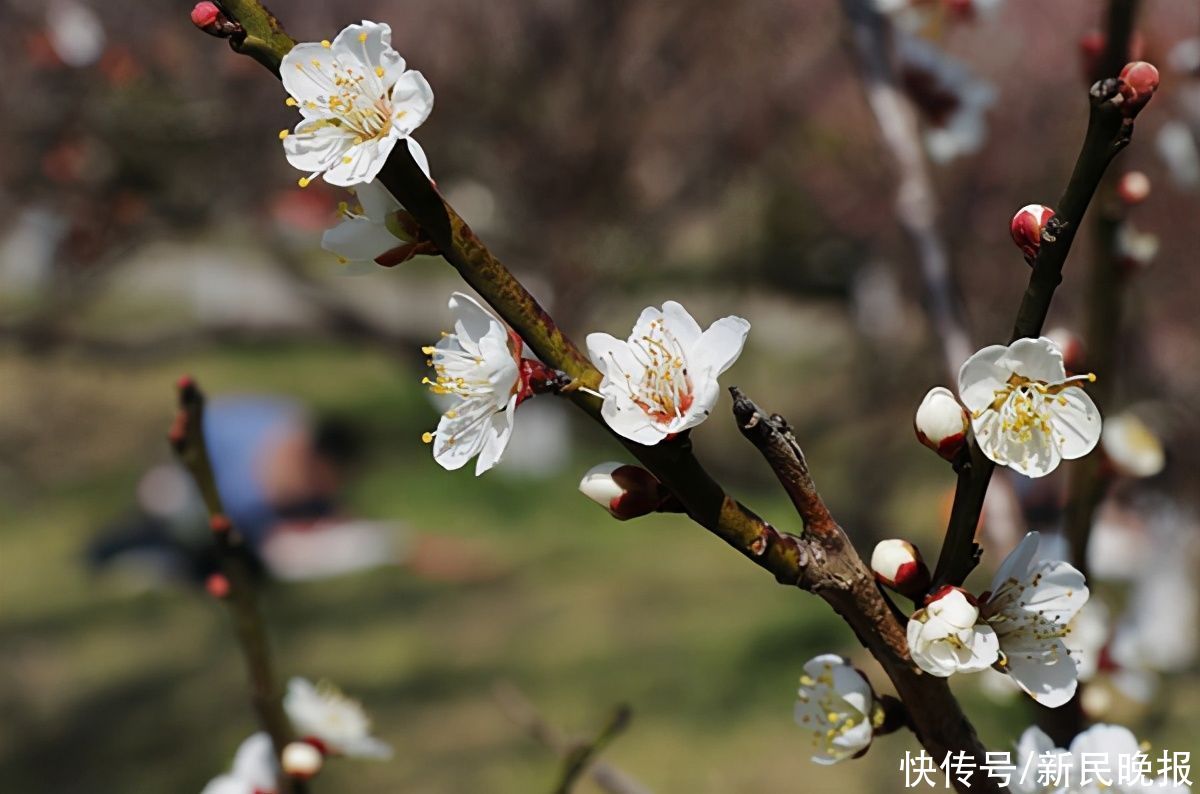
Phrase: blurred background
(615, 155)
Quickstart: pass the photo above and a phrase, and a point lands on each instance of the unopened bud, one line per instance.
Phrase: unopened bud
(1138, 82)
(208, 17)
(1027, 226)
(219, 524)
(941, 423)
(623, 490)
(301, 760)
(217, 585)
(1133, 188)
(1071, 347)
(898, 564)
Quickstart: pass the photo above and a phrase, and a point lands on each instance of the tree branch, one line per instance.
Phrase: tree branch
(523, 714)
(187, 440)
(836, 573)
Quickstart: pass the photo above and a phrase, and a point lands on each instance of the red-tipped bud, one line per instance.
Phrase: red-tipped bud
(209, 18)
(623, 490)
(1027, 226)
(219, 524)
(217, 585)
(1133, 188)
(898, 565)
(941, 423)
(1071, 347)
(205, 14)
(950, 590)
(1138, 82)
(301, 760)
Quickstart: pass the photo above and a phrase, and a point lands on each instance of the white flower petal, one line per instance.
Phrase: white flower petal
(1052, 684)
(1037, 359)
(375, 49)
(254, 762)
(306, 72)
(681, 324)
(412, 102)
(358, 240)
(496, 433)
(719, 346)
(1016, 564)
(361, 162)
(981, 376)
(377, 202)
(419, 155)
(317, 145)
(1076, 424)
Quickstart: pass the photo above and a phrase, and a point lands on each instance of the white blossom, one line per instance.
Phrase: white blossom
(477, 367)
(323, 713)
(836, 706)
(946, 636)
(366, 231)
(254, 769)
(663, 379)
(1132, 447)
(357, 100)
(1031, 606)
(1026, 413)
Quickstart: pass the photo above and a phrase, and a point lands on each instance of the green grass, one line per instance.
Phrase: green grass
(109, 691)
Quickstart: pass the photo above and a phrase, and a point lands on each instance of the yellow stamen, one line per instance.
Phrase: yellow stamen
(427, 438)
(283, 134)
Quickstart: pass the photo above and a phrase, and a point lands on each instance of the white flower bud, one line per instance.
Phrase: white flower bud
(941, 423)
(947, 637)
(301, 760)
(623, 490)
(898, 564)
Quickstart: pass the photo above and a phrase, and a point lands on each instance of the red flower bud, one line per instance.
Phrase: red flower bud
(623, 490)
(205, 14)
(1027, 226)
(898, 565)
(219, 524)
(217, 585)
(1138, 82)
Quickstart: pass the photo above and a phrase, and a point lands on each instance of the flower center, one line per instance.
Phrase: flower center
(1026, 405)
(665, 389)
(355, 95)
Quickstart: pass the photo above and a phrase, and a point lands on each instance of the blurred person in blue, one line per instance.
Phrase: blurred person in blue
(280, 473)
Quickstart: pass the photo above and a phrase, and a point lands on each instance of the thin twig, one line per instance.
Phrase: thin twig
(525, 715)
(584, 754)
(187, 440)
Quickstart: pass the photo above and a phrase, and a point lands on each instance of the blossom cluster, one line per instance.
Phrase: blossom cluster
(328, 724)
(1018, 405)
